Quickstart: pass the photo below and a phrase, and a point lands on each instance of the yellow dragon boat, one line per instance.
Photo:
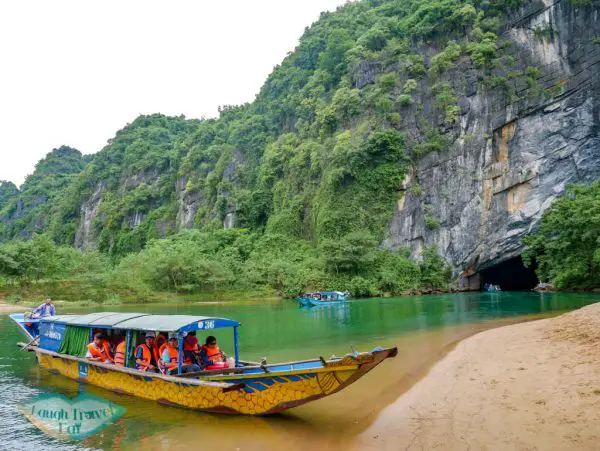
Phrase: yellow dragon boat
(60, 344)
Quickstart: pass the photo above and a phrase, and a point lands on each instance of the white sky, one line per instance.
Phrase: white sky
(75, 71)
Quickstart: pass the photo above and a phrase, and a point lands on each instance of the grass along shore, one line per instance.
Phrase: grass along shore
(81, 293)
(532, 385)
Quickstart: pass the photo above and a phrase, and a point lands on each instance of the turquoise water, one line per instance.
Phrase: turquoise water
(279, 331)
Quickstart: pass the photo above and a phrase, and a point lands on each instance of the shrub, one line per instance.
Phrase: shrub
(409, 86)
(445, 59)
(405, 100)
(388, 81)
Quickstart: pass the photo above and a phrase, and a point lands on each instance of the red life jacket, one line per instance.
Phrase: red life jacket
(190, 346)
(120, 354)
(146, 357)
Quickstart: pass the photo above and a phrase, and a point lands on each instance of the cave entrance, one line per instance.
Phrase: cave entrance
(511, 275)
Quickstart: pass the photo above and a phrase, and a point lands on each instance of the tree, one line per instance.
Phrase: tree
(566, 246)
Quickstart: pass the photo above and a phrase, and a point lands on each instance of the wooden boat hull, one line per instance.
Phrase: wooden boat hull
(248, 394)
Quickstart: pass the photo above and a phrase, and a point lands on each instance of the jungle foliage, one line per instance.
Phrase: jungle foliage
(309, 173)
(566, 248)
(228, 260)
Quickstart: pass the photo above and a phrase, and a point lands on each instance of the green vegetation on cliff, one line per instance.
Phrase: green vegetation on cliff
(308, 175)
(567, 246)
(28, 211)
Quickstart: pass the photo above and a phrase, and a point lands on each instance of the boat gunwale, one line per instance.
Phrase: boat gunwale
(191, 378)
(282, 373)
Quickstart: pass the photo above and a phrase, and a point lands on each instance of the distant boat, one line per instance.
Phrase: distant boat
(323, 298)
(491, 288)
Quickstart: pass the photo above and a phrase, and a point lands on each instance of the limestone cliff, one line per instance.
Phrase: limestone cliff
(485, 110)
(512, 157)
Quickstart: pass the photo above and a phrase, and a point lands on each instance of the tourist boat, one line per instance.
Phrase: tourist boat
(322, 298)
(249, 388)
(491, 288)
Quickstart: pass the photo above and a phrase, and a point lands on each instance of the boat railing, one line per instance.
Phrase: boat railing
(225, 386)
(286, 366)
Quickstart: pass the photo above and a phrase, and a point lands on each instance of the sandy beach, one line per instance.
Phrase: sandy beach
(5, 309)
(528, 386)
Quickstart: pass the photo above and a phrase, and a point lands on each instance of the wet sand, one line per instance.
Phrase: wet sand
(529, 386)
(5, 309)
(328, 424)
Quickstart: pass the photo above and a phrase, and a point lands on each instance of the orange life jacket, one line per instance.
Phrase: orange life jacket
(106, 347)
(213, 354)
(173, 354)
(103, 353)
(146, 357)
(120, 354)
(161, 349)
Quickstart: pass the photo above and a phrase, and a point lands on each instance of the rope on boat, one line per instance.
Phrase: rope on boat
(26, 347)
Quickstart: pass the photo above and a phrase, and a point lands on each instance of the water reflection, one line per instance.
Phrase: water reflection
(70, 418)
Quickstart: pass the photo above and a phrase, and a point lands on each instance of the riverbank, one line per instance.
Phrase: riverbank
(90, 293)
(5, 309)
(526, 386)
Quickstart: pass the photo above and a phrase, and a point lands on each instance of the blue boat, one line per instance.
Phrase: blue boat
(322, 298)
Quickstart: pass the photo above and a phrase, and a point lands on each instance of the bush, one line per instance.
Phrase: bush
(361, 287)
(388, 81)
(566, 247)
(409, 86)
(405, 100)
(445, 59)
(435, 271)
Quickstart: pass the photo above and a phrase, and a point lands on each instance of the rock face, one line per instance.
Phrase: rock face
(512, 156)
(85, 236)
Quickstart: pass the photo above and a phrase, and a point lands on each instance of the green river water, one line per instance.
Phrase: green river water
(423, 327)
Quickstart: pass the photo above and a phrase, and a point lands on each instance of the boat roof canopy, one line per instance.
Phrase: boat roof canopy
(143, 321)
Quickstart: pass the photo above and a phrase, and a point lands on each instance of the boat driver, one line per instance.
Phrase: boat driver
(210, 354)
(44, 310)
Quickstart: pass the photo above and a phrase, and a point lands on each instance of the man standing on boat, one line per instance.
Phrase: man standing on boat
(44, 310)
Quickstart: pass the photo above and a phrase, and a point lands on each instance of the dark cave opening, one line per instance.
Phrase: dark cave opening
(511, 275)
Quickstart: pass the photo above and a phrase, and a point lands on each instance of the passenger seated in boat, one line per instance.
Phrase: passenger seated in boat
(145, 356)
(160, 340)
(98, 350)
(211, 356)
(120, 350)
(170, 356)
(190, 347)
